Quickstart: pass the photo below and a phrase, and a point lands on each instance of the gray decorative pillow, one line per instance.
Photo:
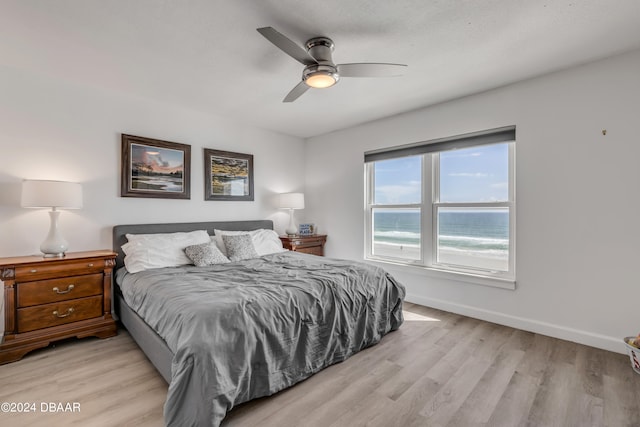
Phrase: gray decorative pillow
(205, 254)
(239, 247)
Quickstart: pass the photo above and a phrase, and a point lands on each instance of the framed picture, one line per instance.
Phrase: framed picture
(227, 175)
(307, 229)
(155, 168)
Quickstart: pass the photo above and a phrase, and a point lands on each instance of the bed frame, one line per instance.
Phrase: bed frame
(147, 339)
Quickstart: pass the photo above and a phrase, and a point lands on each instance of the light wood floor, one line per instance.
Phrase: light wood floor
(439, 369)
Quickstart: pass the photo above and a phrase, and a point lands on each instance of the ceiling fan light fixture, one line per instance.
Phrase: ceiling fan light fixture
(320, 80)
(320, 76)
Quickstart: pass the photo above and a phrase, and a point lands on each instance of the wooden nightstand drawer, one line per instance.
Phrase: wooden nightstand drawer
(53, 290)
(307, 243)
(312, 244)
(315, 250)
(29, 273)
(58, 313)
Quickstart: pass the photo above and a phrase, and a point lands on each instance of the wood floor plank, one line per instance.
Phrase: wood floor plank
(516, 401)
(459, 352)
(589, 362)
(481, 402)
(585, 410)
(550, 405)
(621, 393)
(441, 408)
(402, 382)
(439, 369)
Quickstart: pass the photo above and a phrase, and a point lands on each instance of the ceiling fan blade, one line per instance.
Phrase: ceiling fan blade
(288, 46)
(371, 70)
(296, 92)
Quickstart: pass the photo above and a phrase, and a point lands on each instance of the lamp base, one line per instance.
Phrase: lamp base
(54, 246)
(292, 228)
(58, 255)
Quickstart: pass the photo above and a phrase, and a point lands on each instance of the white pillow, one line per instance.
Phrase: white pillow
(265, 241)
(146, 251)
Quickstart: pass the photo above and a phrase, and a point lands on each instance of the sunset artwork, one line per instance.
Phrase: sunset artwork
(156, 169)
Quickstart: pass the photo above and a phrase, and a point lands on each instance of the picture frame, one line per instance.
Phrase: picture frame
(228, 176)
(153, 168)
(307, 229)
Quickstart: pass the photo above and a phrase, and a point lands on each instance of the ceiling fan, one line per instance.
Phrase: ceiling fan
(320, 71)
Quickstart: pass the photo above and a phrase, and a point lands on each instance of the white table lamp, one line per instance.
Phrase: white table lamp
(291, 201)
(54, 195)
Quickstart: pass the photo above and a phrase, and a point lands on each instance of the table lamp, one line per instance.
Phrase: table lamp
(54, 195)
(291, 201)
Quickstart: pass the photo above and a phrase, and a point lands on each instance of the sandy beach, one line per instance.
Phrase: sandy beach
(448, 256)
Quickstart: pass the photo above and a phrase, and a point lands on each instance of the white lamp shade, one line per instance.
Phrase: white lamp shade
(51, 194)
(291, 201)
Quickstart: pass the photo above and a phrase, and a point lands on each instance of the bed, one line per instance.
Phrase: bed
(224, 334)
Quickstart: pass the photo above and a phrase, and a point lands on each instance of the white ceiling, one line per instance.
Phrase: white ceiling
(207, 55)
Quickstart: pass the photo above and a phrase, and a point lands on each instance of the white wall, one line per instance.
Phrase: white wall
(53, 129)
(578, 199)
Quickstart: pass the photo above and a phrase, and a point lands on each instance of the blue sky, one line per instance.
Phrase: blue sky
(477, 174)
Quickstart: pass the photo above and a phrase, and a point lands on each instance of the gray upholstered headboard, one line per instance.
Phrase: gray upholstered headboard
(120, 231)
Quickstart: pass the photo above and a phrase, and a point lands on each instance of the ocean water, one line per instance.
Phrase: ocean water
(471, 233)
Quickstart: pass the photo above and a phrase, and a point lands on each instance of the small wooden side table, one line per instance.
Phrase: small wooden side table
(49, 299)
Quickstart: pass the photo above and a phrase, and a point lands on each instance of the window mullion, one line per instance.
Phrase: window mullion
(479, 205)
(369, 182)
(405, 206)
(428, 187)
(512, 209)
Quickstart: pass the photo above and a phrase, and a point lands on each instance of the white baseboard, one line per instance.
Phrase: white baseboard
(582, 337)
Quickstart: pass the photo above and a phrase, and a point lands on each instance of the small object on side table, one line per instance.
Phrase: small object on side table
(49, 299)
(312, 244)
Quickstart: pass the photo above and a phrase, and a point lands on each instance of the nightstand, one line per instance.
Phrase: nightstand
(48, 299)
(312, 244)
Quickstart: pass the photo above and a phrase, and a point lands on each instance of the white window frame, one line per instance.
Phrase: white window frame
(428, 208)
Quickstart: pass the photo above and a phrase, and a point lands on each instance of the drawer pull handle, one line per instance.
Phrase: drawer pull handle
(58, 315)
(59, 292)
(33, 271)
(91, 265)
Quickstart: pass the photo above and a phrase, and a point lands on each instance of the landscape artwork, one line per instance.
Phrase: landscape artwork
(228, 176)
(155, 168)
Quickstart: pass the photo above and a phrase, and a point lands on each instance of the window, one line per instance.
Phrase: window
(397, 209)
(446, 204)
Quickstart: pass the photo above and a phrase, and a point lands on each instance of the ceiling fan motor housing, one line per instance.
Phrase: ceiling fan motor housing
(324, 73)
(320, 48)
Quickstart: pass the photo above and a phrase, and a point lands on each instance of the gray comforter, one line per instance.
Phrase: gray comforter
(249, 329)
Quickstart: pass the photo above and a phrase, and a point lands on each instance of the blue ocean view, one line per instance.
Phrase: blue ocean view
(483, 233)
